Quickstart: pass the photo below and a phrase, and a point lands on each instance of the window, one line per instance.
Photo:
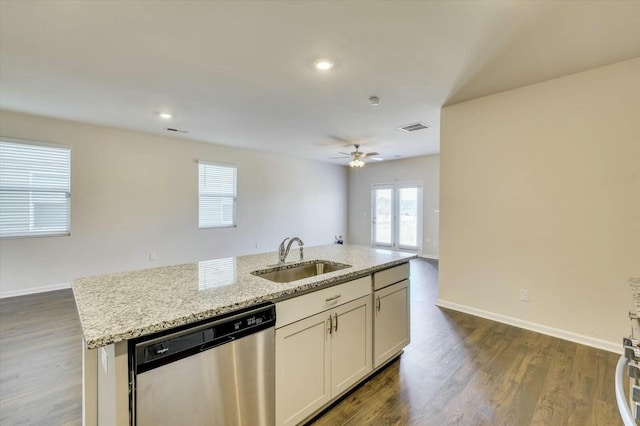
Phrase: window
(35, 190)
(217, 189)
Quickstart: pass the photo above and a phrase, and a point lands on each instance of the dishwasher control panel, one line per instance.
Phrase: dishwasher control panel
(169, 346)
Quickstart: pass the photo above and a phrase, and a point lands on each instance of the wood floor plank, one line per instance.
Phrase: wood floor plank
(553, 397)
(40, 360)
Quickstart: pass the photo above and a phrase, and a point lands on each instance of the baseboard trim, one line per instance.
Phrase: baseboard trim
(33, 290)
(543, 329)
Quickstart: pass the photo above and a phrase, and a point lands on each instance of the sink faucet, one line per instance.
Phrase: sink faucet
(283, 253)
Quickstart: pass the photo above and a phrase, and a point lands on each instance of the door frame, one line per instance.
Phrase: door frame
(395, 227)
(390, 186)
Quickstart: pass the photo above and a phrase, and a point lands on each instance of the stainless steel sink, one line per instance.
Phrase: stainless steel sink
(298, 271)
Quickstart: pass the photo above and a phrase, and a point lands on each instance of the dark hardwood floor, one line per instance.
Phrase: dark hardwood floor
(464, 370)
(458, 370)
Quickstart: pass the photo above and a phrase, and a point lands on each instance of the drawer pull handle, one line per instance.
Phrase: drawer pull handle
(333, 298)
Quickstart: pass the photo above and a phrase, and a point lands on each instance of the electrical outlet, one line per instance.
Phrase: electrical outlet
(257, 245)
(153, 256)
(525, 296)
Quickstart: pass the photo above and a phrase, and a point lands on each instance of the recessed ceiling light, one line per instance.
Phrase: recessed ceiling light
(323, 64)
(165, 115)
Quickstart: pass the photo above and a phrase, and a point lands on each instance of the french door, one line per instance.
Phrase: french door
(397, 216)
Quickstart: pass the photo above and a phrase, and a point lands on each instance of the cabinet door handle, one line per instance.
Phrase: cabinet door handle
(333, 299)
(336, 326)
(378, 303)
(330, 324)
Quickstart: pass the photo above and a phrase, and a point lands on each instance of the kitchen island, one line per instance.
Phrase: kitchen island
(115, 308)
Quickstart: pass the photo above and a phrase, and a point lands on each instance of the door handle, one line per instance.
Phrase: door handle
(378, 303)
(330, 324)
(336, 326)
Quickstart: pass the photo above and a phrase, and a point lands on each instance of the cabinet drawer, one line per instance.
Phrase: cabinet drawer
(297, 308)
(390, 276)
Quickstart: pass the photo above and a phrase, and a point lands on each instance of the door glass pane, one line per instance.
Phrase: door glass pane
(383, 209)
(408, 211)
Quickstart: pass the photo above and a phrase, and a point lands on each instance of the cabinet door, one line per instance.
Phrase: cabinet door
(391, 325)
(350, 344)
(302, 368)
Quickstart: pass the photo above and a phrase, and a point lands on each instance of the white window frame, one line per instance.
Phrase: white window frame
(233, 197)
(33, 231)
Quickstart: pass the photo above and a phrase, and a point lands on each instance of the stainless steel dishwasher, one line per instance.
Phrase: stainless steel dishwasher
(220, 372)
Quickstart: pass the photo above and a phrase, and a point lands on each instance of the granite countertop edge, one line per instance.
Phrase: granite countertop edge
(95, 339)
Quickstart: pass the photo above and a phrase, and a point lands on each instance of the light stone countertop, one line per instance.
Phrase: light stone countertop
(634, 283)
(122, 306)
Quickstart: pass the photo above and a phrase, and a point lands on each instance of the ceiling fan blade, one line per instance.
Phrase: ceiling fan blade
(338, 158)
(344, 142)
(343, 153)
(371, 154)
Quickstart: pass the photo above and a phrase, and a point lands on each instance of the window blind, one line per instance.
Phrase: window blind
(217, 193)
(35, 190)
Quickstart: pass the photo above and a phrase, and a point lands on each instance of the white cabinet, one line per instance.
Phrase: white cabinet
(321, 356)
(391, 324)
(390, 276)
(303, 368)
(350, 344)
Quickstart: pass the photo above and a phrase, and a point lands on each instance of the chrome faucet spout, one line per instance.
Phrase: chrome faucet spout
(283, 253)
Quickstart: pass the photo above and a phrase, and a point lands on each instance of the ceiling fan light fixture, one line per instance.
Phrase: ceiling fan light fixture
(356, 163)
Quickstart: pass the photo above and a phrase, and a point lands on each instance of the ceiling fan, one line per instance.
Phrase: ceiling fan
(357, 157)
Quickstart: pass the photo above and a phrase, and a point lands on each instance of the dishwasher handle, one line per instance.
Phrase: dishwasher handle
(215, 343)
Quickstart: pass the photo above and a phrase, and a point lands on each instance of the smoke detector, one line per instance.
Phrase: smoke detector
(374, 100)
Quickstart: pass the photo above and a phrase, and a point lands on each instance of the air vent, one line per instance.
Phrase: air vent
(414, 127)
(171, 129)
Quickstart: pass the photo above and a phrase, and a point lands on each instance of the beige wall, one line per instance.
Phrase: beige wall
(134, 194)
(424, 169)
(540, 190)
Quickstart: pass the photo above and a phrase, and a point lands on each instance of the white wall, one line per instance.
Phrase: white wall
(134, 194)
(425, 169)
(540, 190)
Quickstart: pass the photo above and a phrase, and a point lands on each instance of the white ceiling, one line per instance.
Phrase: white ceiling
(241, 73)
